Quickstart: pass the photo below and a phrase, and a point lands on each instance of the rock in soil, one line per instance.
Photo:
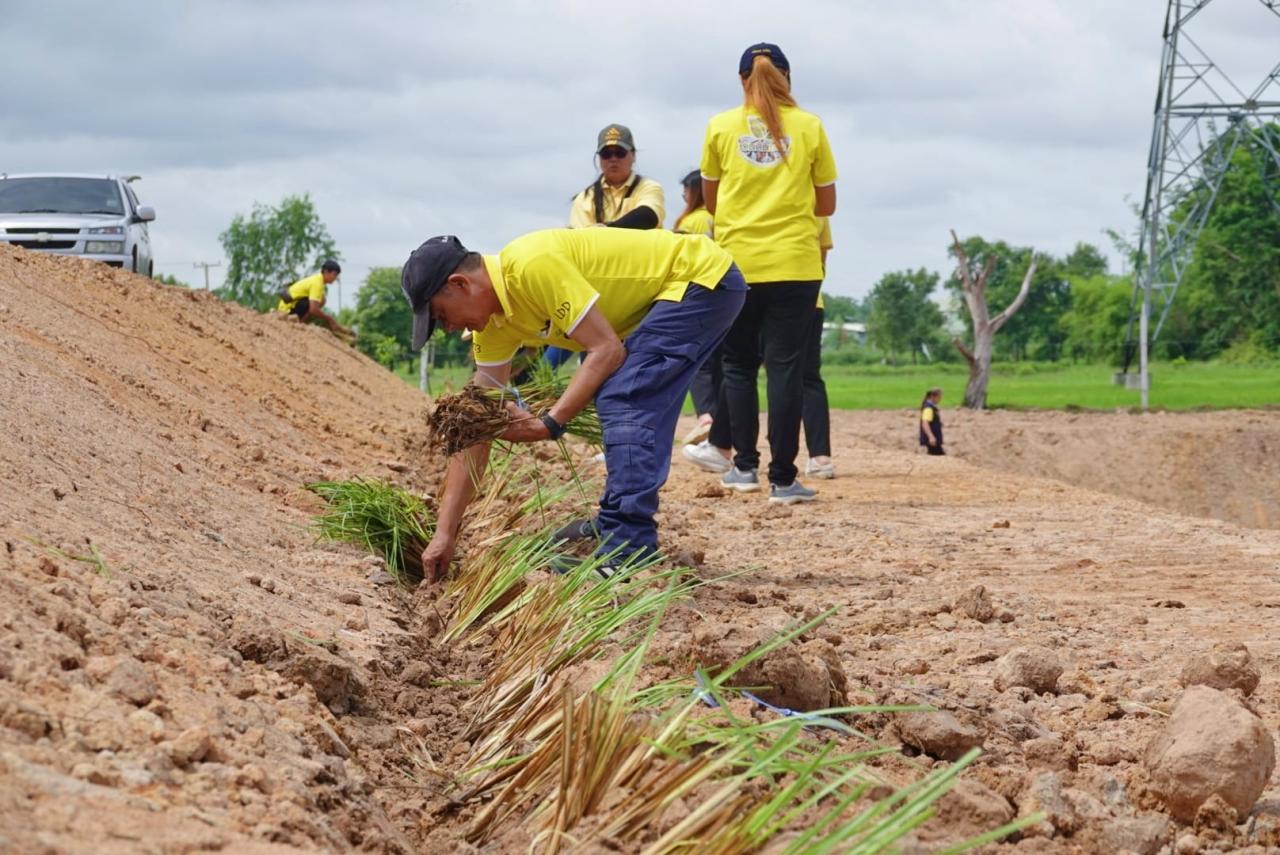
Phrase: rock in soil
(333, 678)
(1051, 752)
(1044, 794)
(124, 677)
(1226, 666)
(969, 802)
(1037, 668)
(938, 734)
(796, 676)
(1143, 835)
(1212, 745)
(976, 604)
(1216, 815)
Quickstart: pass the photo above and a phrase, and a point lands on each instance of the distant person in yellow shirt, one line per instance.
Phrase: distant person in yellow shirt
(306, 299)
(695, 219)
(767, 175)
(620, 196)
(673, 297)
(931, 422)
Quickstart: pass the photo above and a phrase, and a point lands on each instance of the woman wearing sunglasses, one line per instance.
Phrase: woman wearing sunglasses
(620, 196)
(767, 175)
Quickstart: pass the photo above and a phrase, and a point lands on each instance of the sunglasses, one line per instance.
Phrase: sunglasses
(613, 153)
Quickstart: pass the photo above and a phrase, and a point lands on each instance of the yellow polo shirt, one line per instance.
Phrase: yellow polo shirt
(696, 222)
(824, 242)
(312, 287)
(547, 281)
(764, 206)
(616, 202)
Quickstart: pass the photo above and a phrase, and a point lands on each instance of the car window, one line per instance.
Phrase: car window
(60, 196)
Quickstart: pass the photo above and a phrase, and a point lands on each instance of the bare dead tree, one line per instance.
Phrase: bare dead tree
(985, 327)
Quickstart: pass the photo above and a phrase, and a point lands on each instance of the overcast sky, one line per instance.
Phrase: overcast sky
(1024, 120)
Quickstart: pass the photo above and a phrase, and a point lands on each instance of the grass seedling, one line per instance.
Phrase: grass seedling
(94, 558)
(379, 516)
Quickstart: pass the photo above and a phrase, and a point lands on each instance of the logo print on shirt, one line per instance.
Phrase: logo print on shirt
(757, 147)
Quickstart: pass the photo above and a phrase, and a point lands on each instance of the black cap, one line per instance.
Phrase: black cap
(330, 264)
(763, 49)
(423, 275)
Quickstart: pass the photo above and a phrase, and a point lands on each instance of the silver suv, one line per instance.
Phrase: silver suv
(90, 216)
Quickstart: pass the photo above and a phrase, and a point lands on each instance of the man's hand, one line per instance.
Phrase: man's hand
(524, 427)
(437, 557)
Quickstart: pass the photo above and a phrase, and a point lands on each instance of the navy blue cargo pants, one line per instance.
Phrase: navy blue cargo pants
(640, 403)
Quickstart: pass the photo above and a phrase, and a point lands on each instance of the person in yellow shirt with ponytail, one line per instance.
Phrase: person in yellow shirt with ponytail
(767, 175)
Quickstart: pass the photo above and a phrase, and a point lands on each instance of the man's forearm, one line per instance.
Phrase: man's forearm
(465, 471)
(587, 380)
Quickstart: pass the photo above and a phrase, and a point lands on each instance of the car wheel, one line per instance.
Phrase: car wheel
(134, 268)
(151, 270)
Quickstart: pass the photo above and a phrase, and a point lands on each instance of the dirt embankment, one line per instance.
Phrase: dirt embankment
(202, 685)
(1221, 465)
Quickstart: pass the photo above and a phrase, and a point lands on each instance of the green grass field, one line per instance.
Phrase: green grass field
(1022, 385)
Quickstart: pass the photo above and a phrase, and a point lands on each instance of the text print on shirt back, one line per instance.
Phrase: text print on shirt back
(758, 147)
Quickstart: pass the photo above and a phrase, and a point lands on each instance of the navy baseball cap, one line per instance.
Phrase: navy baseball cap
(423, 275)
(763, 49)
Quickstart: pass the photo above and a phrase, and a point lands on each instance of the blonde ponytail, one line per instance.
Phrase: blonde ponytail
(766, 89)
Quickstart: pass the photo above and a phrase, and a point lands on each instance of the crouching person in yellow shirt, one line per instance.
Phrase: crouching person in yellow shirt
(306, 299)
(671, 297)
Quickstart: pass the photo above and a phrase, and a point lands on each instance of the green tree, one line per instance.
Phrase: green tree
(1093, 328)
(382, 315)
(271, 248)
(902, 317)
(1231, 291)
(847, 308)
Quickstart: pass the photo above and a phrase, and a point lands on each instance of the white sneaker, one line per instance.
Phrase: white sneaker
(697, 434)
(707, 458)
(820, 470)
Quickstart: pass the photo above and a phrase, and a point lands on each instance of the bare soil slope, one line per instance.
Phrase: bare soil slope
(171, 434)
(1222, 465)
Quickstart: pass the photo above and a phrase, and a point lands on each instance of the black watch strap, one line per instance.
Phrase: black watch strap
(553, 427)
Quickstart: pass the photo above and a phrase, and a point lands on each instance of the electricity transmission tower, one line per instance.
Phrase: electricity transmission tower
(1201, 118)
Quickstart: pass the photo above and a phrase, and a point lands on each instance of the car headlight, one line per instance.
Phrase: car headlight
(107, 230)
(104, 247)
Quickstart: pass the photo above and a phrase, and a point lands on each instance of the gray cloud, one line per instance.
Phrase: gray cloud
(1023, 121)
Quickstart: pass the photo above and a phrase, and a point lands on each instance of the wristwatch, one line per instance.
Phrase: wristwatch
(554, 428)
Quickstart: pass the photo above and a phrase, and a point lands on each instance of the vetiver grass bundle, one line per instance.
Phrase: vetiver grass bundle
(598, 769)
(476, 414)
(379, 516)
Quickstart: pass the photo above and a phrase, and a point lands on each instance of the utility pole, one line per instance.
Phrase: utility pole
(206, 265)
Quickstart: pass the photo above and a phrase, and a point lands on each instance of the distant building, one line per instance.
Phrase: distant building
(837, 333)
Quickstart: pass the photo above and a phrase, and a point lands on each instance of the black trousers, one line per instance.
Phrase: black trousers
(706, 385)
(817, 412)
(773, 328)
